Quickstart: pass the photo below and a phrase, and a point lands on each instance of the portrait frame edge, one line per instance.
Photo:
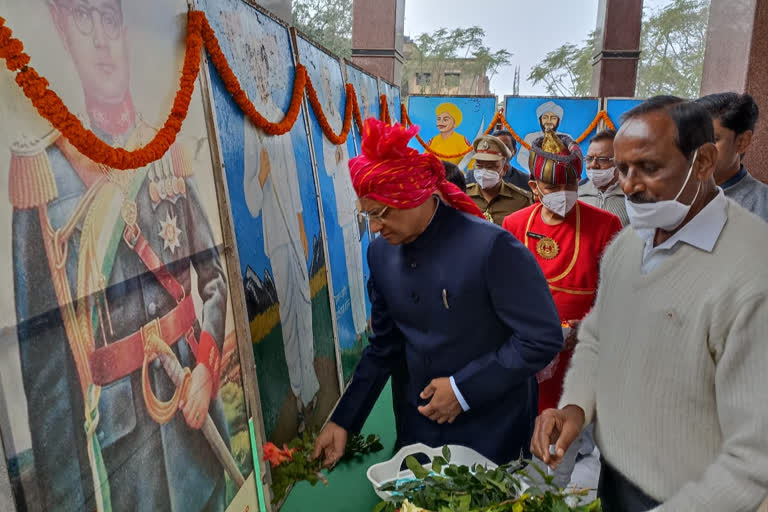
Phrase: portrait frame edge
(232, 257)
(294, 36)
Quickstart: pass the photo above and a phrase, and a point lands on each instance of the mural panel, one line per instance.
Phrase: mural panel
(530, 116)
(277, 225)
(345, 228)
(617, 106)
(121, 380)
(449, 124)
(367, 88)
(393, 95)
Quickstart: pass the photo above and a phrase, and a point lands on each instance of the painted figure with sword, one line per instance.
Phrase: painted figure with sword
(120, 369)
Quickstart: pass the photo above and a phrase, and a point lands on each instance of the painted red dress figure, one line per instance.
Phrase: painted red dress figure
(567, 237)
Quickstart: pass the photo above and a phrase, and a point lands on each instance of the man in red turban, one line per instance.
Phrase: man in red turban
(472, 330)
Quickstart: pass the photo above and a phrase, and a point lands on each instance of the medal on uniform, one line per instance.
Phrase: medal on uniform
(170, 233)
(168, 183)
(129, 212)
(545, 247)
(488, 216)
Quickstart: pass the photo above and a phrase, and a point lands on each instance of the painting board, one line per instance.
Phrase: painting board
(346, 231)
(98, 290)
(277, 225)
(575, 115)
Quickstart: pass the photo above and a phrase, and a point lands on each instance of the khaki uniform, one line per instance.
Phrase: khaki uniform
(509, 200)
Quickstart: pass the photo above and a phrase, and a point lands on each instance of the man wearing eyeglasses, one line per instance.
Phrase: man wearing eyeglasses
(473, 339)
(129, 243)
(601, 189)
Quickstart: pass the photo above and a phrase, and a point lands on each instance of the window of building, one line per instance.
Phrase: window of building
(452, 79)
(423, 78)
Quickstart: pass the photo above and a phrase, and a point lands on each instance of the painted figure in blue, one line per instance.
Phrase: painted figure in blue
(336, 161)
(549, 114)
(271, 187)
(103, 263)
(473, 340)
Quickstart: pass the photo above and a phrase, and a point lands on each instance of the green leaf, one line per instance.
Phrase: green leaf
(446, 453)
(381, 507)
(417, 469)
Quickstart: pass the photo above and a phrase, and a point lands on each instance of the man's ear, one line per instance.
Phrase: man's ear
(534, 189)
(706, 160)
(743, 141)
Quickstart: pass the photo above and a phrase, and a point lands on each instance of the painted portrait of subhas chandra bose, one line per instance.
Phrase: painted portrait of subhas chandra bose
(121, 296)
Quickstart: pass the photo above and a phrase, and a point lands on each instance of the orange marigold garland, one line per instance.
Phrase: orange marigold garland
(357, 115)
(351, 99)
(514, 133)
(608, 123)
(590, 128)
(51, 107)
(232, 84)
(384, 115)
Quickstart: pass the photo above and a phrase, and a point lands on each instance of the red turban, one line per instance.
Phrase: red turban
(390, 172)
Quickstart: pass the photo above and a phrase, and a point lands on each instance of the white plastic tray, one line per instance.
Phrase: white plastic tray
(384, 472)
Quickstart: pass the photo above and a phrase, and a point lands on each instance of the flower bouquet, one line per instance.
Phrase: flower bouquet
(294, 463)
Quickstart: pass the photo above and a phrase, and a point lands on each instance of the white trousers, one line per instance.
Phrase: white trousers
(294, 296)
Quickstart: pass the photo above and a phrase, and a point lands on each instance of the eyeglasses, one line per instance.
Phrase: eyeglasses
(111, 22)
(377, 216)
(599, 159)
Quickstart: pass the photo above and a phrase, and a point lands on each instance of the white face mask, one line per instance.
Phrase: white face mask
(559, 203)
(667, 214)
(601, 177)
(487, 179)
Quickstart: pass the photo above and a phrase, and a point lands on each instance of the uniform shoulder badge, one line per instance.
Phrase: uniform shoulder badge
(30, 181)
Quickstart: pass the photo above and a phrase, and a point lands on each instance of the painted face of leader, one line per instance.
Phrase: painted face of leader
(549, 122)
(94, 35)
(445, 123)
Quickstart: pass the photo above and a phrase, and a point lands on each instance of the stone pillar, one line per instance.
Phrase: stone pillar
(280, 8)
(617, 52)
(377, 37)
(736, 59)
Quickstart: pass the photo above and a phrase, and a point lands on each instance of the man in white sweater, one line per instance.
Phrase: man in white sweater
(671, 360)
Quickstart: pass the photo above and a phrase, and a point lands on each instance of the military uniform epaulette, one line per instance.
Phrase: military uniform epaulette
(31, 182)
(526, 193)
(179, 152)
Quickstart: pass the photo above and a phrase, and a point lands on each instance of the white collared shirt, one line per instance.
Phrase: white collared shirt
(702, 232)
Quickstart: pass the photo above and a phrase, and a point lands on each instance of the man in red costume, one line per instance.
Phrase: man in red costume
(567, 237)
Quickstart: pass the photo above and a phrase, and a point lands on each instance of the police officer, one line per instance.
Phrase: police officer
(495, 197)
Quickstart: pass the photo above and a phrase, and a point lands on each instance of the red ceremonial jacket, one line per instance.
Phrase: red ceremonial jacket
(569, 255)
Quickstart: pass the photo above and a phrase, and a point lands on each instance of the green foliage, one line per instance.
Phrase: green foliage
(671, 58)
(302, 467)
(329, 22)
(567, 71)
(672, 43)
(435, 53)
(457, 488)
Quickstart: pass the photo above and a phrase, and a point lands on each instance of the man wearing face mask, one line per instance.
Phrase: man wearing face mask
(602, 189)
(567, 237)
(671, 359)
(495, 197)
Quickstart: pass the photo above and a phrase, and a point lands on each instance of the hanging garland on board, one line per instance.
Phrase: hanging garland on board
(200, 35)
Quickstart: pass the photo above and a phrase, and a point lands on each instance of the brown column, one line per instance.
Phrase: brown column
(614, 71)
(280, 8)
(736, 59)
(377, 37)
